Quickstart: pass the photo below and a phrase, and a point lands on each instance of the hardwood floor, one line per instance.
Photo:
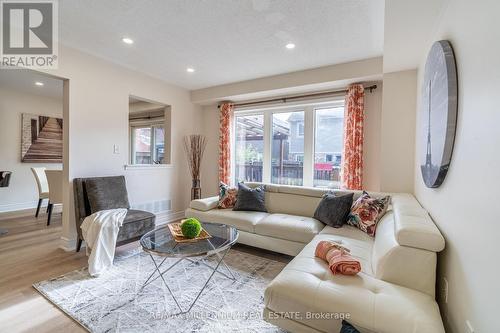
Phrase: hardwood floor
(29, 253)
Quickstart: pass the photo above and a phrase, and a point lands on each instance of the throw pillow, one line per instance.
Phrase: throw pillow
(366, 212)
(252, 199)
(348, 328)
(333, 210)
(227, 196)
(107, 193)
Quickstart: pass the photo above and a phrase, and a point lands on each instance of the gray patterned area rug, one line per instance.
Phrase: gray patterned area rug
(114, 301)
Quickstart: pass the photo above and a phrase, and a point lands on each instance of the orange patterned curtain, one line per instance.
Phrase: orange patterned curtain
(226, 116)
(352, 164)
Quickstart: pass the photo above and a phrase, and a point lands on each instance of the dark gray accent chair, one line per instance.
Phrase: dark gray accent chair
(108, 193)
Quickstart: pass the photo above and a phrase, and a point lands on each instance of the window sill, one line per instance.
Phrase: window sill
(147, 166)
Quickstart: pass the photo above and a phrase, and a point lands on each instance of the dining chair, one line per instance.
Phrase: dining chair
(43, 187)
(54, 179)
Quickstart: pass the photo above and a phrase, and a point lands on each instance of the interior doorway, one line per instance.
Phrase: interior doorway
(32, 154)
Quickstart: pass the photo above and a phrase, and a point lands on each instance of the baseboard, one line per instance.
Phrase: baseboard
(18, 213)
(161, 218)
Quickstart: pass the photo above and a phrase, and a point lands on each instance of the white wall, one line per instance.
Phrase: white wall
(97, 119)
(371, 153)
(397, 131)
(464, 207)
(22, 192)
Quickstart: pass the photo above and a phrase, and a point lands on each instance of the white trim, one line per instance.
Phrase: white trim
(309, 138)
(147, 166)
(267, 158)
(309, 108)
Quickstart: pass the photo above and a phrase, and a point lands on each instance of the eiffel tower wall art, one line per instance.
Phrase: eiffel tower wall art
(438, 113)
(41, 139)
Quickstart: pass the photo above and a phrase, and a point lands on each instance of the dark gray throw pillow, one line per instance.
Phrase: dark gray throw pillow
(252, 199)
(333, 210)
(107, 193)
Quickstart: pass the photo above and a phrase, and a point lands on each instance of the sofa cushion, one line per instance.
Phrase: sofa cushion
(107, 193)
(291, 227)
(242, 220)
(306, 286)
(333, 209)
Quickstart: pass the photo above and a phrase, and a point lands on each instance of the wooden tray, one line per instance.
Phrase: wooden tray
(175, 230)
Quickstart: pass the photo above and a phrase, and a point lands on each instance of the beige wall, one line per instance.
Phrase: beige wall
(22, 192)
(464, 206)
(373, 112)
(397, 131)
(295, 82)
(372, 139)
(98, 119)
(209, 168)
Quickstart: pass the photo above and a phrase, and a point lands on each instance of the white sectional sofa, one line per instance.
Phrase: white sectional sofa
(394, 292)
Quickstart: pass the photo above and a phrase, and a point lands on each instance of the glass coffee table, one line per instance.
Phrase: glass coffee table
(160, 242)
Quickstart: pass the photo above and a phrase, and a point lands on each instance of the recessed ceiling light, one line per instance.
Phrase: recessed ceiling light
(190, 70)
(127, 40)
(38, 83)
(290, 46)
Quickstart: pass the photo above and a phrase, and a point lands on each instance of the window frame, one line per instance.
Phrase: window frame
(309, 108)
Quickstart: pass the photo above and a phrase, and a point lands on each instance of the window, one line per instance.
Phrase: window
(328, 142)
(286, 146)
(148, 144)
(300, 145)
(300, 129)
(249, 147)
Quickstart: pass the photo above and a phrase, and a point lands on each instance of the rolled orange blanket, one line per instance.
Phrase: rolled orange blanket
(338, 258)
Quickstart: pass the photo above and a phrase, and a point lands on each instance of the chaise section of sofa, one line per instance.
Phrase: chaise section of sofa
(394, 292)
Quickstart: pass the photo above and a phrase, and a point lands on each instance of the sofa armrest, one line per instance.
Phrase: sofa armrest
(205, 204)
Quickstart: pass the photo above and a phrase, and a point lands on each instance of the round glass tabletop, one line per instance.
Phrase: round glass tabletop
(161, 242)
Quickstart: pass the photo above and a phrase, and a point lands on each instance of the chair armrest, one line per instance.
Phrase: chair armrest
(205, 204)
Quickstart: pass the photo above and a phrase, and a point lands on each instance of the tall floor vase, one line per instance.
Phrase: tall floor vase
(196, 189)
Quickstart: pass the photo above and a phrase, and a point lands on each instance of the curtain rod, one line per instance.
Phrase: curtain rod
(291, 98)
(145, 117)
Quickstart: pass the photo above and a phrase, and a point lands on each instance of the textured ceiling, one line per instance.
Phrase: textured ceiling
(224, 40)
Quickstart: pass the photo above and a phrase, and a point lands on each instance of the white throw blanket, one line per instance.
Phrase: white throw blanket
(100, 231)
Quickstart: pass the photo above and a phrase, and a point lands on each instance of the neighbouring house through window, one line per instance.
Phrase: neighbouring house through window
(295, 145)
